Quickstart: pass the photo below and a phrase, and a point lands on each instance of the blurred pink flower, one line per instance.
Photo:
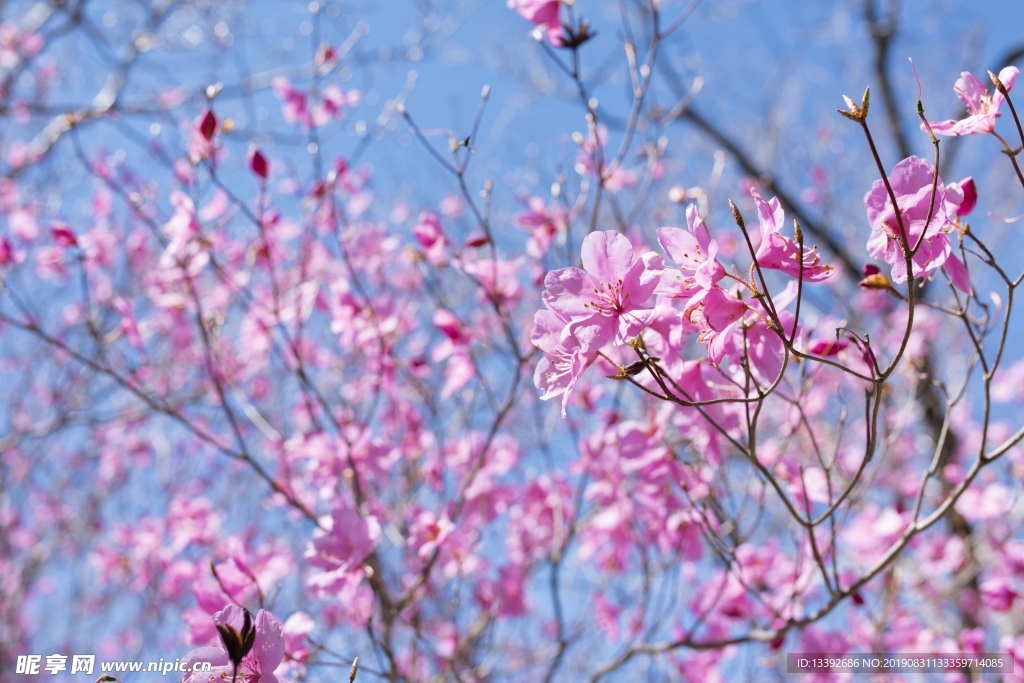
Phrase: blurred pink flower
(543, 223)
(543, 13)
(340, 550)
(997, 594)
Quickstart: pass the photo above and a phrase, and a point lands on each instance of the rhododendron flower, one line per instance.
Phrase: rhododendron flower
(912, 180)
(543, 13)
(694, 251)
(717, 313)
(543, 224)
(428, 531)
(605, 301)
(982, 108)
(340, 550)
(431, 237)
(454, 348)
(997, 594)
(331, 106)
(781, 253)
(294, 109)
(564, 359)
(256, 666)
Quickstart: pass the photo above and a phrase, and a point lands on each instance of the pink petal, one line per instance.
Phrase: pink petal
(607, 255)
(958, 274)
(970, 191)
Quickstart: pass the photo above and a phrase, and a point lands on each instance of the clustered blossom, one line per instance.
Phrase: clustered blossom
(929, 210)
(265, 385)
(609, 302)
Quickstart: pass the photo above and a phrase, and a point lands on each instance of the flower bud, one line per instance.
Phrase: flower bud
(875, 281)
(62, 235)
(238, 644)
(208, 126)
(258, 163)
(970, 191)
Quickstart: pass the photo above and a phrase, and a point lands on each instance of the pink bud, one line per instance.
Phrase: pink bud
(208, 126)
(970, 196)
(6, 254)
(62, 235)
(869, 269)
(258, 163)
(477, 239)
(828, 347)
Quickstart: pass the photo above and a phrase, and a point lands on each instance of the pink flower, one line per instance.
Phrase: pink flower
(564, 360)
(717, 313)
(694, 251)
(543, 224)
(428, 531)
(62, 235)
(294, 109)
(605, 301)
(911, 182)
(341, 549)
(982, 108)
(295, 629)
(781, 253)
(257, 665)
(332, 104)
(997, 594)
(202, 144)
(258, 163)
(431, 237)
(542, 13)
(970, 191)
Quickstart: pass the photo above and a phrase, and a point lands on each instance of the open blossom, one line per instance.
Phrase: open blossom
(717, 313)
(912, 180)
(564, 359)
(340, 550)
(781, 253)
(544, 225)
(982, 108)
(543, 13)
(695, 252)
(605, 301)
(257, 666)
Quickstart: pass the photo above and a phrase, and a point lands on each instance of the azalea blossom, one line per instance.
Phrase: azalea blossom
(694, 251)
(564, 359)
(982, 108)
(544, 225)
(912, 182)
(257, 666)
(717, 313)
(778, 252)
(605, 301)
(543, 13)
